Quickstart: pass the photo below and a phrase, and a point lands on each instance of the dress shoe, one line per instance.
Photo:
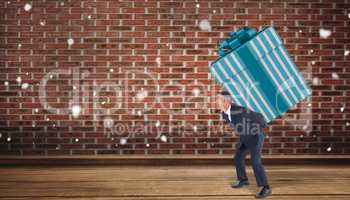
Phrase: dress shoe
(240, 184)
(264, 192)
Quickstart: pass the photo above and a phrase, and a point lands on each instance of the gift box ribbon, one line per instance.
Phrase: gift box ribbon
(235, 40)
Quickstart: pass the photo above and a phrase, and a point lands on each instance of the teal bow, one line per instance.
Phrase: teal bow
(235, 40)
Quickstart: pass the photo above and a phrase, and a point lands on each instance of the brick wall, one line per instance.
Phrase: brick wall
(85, 77)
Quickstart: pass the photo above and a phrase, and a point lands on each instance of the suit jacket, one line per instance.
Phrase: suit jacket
(245, 121)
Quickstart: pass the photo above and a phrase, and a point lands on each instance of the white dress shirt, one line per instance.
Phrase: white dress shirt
(228, 112)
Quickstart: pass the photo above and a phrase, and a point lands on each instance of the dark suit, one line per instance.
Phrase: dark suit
(249, 127)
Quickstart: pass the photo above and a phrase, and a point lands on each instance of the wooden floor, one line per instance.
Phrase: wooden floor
(173, 182)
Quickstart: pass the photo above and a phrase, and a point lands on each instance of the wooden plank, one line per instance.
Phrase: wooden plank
(172, 182)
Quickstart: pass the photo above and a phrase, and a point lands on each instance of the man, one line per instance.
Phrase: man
(249, 126)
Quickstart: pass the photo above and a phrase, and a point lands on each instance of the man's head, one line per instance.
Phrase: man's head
(223, 101)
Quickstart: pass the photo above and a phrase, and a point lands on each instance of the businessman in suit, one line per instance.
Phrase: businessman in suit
(248, 125)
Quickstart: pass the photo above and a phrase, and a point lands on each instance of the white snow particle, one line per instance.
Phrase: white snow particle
(148, 145)
(42, 23)
(70, 41)
(108, 122)
(300, 31)
(27, 7)
(346, 52)
(204, 25)
(196, 91)
(342, 109)
(76, 111)
(214, 11)
(310, 104)
(36, 110)
(157, 124)
(315, 81)
(111, 70)
(197, 5)
(329, 149)
(163, 138)
(347, 124)
(141, 95)
(313, 62)
(62, 3)
(103, 102)
(139, 113)
(335, 75)
(6, 83)
(47, 119)
(19, 45)
(311, 51)
(76, 140)
(25, 86)
(19, 79)
(195, 128)
(301, 136)
(8, 139)
(324, 33)
(51, 76)
(123, 141)
(9, 2)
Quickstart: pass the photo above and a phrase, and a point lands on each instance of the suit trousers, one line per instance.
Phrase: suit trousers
(253, 144)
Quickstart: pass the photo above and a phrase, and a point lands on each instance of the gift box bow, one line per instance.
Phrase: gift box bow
(235, 40)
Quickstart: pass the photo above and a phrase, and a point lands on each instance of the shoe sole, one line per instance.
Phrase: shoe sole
(245, 184)
(262, 197)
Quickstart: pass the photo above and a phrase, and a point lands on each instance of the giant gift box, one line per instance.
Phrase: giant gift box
(256, 69)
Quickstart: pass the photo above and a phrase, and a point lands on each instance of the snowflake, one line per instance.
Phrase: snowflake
(196, 91)
(329, 149)
(346, 52)
(6, 83)
(123, 141)
(342, 109)
(204, 25)
(197, 5)
(19, 79)
(76, 140)
(163, 138)
(27, 7)
(8, 139)
(148, 145)
(324, 33)
(157, 124)
(25, 86)
(76, 111)
(335, 75)
(315, 81)
(70, 41)
(141, 95)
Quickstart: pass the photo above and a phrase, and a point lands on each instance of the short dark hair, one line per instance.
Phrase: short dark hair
(224, 93)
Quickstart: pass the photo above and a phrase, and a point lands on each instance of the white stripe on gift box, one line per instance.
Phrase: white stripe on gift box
(247, 77)
(227, 88)
(272, 76)
(275, 68)
(256, 104)
(286, 69)
(292, 65)
(246, 102)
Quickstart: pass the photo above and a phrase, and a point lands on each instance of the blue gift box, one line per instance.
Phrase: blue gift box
(256, 69)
